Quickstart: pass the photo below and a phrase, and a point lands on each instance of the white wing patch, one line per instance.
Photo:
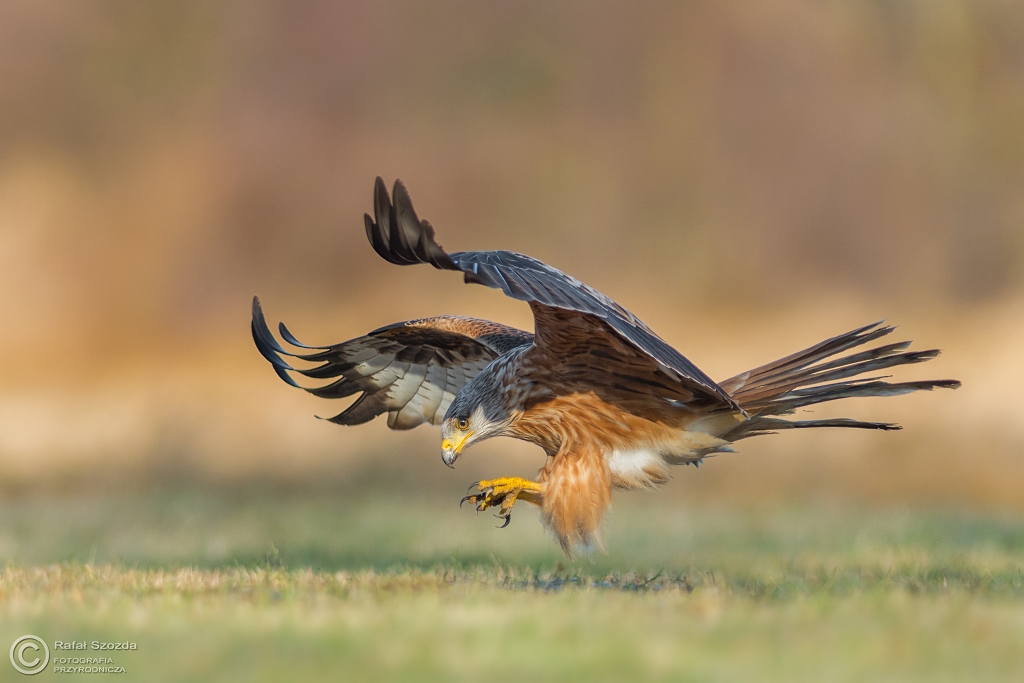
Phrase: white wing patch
(412, 371)
(390, 374)
(422, 406)
(423, 393)
(402, 392)
(457, 378)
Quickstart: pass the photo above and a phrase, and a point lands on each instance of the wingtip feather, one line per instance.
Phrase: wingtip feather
(397, 234)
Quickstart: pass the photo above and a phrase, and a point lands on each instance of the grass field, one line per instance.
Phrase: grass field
(263, 585)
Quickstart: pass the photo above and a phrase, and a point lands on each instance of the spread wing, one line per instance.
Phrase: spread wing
(400, 237)
(410, 370)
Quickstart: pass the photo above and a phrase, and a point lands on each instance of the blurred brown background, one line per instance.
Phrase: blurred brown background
(747, 177)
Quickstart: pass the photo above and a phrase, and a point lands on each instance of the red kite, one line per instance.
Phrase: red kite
(611, 403)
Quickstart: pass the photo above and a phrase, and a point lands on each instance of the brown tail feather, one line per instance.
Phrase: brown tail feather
(829, 347)
(807, 378)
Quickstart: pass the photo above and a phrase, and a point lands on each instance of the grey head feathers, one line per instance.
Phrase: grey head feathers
(483, 396)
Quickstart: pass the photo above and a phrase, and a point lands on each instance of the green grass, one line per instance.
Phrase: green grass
(265, 586)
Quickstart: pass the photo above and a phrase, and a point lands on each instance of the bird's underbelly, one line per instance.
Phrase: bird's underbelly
(636, 468)
(641, 465)
(638, 451)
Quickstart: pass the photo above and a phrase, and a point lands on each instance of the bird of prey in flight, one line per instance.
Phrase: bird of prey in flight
(611, 404)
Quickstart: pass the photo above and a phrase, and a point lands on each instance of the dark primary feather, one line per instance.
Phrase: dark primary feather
(410, 370)
(398, 236)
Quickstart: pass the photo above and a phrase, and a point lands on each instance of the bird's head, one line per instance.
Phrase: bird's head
(478, 412)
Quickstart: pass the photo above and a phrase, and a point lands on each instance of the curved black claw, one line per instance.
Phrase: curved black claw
(469, 498)
(507, 518)
(472, 486)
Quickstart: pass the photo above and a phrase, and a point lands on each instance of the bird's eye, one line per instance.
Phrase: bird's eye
(462, 423)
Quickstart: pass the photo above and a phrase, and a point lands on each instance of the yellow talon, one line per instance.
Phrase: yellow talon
(503, 493)
(507, 484)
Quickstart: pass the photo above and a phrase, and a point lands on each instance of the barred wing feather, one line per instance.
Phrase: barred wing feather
(410, 370)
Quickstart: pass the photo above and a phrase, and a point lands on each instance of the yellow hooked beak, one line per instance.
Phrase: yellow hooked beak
(450, 451)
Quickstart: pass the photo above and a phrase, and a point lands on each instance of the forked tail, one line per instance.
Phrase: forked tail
(815, 375)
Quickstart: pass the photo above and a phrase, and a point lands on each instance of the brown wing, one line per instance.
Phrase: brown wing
(410, 370)
(400, 237)
(577, 353)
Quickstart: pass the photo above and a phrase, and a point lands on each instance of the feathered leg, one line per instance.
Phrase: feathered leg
(578, 491)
